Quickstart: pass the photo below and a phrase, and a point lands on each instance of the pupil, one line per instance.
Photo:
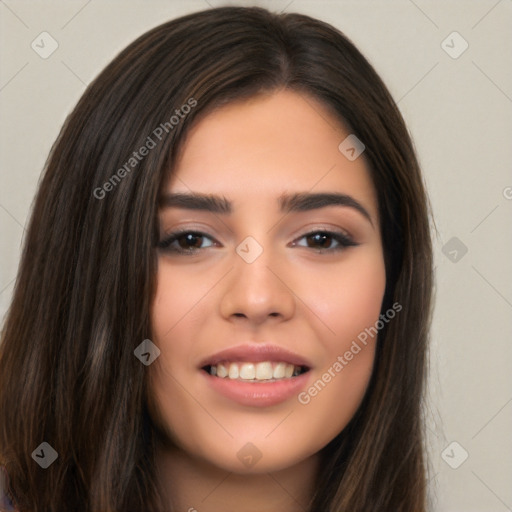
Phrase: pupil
(321, 239)
(188, 240)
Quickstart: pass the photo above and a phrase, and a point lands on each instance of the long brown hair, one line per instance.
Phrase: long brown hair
(86, 279)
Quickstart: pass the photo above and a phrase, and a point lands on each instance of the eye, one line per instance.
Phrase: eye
(324, 240)
(185, 242)
(193, 242)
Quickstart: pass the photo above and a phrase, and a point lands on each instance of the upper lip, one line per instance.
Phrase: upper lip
(256, 354)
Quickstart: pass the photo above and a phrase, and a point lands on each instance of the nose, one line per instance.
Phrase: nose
(257, 292)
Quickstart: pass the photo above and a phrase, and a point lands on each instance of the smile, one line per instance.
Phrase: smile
(256, 374)
(264, 371)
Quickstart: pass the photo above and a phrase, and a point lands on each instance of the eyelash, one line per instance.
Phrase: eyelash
(343, 240)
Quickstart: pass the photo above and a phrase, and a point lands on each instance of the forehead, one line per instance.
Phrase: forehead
(284, 141)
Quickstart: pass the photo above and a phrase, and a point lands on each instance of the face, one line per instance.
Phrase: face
(270, 266)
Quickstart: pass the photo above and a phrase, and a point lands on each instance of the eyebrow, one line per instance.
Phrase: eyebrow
(297, 202)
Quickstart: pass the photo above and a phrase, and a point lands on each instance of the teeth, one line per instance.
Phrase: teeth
(279, 370)
(255, 371)
(264, 371)
(233, 371)
(221, 370)
(247, 371)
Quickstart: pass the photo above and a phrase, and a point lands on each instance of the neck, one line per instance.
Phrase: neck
(195, 485)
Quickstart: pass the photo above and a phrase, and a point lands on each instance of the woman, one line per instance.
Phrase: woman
(224, 296)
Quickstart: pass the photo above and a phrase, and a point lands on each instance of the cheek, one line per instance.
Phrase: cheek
(349, 304)
(178, 297)
(177, 317)
(347, 299)
(178, 313)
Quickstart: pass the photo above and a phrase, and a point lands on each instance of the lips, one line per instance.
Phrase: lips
(241, 381)
(256, 354)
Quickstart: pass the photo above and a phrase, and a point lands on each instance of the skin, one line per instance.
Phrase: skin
(310, 302)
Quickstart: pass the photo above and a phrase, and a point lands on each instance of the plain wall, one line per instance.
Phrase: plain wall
(458, 111)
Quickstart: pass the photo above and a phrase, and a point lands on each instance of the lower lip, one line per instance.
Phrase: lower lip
(258, 394)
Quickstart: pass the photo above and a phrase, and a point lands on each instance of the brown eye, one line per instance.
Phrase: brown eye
(322, 239)
(185, 242)
(190, 240)
(326, 241)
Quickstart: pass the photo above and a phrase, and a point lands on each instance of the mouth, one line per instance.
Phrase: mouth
(256, 375)
(264, 371)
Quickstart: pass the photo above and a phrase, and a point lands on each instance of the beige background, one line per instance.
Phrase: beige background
(459, 113)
